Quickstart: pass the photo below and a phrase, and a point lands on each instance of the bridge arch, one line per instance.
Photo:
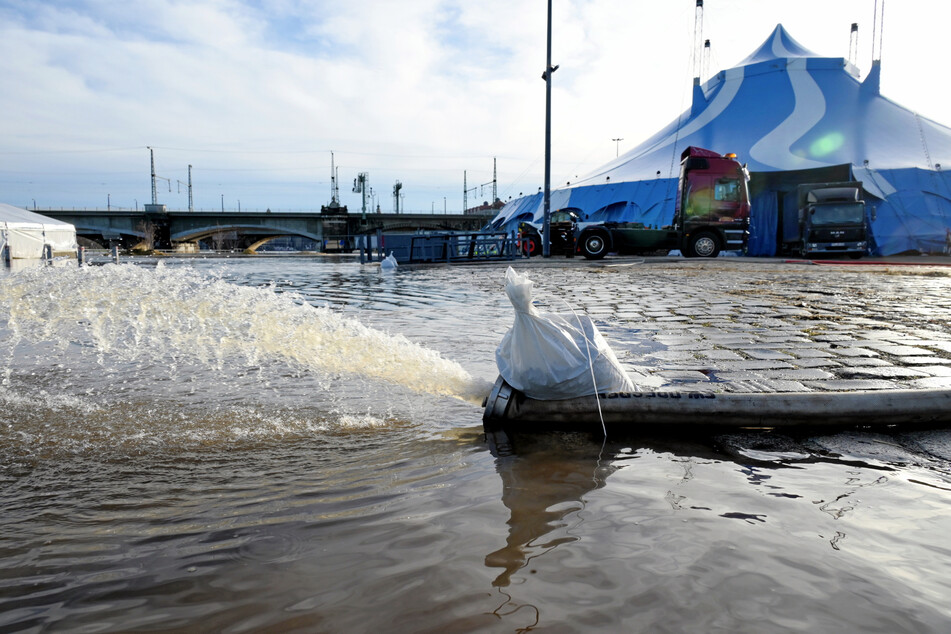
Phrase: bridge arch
(193, 234)
(106, 233)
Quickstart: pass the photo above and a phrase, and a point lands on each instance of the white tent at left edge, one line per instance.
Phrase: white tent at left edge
(24, 234)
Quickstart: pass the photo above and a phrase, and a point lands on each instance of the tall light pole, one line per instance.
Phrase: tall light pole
(549, 69)
(617, 147)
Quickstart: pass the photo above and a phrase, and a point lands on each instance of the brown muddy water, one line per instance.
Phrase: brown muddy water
(289, 445)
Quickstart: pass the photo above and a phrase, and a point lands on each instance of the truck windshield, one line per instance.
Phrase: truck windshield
(727, 189)
(836, 214)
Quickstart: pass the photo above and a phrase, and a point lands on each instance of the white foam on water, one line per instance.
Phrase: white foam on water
(178, 316)
(38, 424)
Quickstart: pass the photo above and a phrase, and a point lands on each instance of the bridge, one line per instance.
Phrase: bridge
(332, 228)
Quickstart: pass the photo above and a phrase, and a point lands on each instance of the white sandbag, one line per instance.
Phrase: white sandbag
(388, 263)
(551, 357)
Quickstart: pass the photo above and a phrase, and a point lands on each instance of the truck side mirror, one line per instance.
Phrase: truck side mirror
(874, 213)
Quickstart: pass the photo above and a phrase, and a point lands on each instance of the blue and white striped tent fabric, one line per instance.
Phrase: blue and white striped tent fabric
(792, 116)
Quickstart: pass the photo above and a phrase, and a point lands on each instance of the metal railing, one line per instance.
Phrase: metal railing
(463, 247)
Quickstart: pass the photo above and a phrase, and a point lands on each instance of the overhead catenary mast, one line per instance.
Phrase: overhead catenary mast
(495, 181)
(155, 207)
(152, 161)
(465, 191)
(480, 188)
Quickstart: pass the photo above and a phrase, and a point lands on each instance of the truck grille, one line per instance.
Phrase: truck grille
(832, 234)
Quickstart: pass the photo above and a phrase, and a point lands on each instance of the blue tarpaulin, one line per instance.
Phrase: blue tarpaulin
(763, 225)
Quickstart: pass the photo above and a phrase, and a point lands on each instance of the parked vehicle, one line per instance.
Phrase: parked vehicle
(826, 218)
(711, 213)
(564, 229)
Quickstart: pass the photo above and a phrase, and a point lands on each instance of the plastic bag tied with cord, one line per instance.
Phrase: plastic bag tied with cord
(554, 356)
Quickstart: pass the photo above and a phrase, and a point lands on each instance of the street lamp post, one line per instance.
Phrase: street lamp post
(549, 69)
(617, 147)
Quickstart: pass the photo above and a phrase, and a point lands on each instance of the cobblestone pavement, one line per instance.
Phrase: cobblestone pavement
(739, 325)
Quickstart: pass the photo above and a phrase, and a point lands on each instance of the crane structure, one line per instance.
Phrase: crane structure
(396, 196)
(334, 190)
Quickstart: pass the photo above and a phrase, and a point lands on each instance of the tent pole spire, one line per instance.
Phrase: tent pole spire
(698, 101)
(854, 44)
(697, 40)
(878, 27)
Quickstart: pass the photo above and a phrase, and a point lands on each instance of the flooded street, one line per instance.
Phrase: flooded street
(284, 444)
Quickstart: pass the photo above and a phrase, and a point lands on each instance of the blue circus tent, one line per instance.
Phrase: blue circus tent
(793, 117)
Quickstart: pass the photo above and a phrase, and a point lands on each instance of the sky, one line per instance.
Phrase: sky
(255, 95)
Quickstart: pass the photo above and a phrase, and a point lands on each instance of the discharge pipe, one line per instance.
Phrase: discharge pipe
(507, 408)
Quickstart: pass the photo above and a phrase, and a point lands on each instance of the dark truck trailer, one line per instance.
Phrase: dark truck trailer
(825, 219)
(712, 213)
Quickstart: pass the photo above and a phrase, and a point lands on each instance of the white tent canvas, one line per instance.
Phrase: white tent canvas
(24, 234)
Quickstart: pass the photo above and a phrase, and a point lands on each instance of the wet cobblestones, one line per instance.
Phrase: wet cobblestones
(738, 325)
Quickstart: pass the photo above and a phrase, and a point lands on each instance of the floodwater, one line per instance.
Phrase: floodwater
(288, 445)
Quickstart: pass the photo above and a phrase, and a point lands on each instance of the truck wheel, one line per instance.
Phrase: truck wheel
(594, 245)
(532, 245)
(704, 245)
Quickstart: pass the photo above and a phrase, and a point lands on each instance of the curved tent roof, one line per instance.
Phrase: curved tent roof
(784, 109)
